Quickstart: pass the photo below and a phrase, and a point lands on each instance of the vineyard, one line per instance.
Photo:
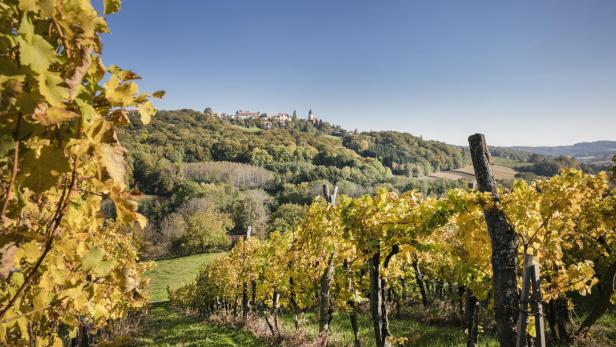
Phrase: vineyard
(384, 252)
(482, 264)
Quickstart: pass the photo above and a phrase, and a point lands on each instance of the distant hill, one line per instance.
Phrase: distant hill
(582, 149)
(295, 150)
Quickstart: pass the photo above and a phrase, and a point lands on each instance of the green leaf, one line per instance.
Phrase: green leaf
(104, 267)
(34, 50)
(112, 6)
(39, 173)
(6, 144)
(92, 258)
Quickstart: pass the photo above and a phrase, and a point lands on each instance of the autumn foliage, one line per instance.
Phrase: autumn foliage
(62, 263)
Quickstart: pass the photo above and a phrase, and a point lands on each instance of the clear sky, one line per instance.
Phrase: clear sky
(522, 72)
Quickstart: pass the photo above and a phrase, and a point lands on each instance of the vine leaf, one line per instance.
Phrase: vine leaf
(146, 110)
(55, 115)
(40, 175)
(113, 159)
(49, 87)
(92, 258)
(112, 6)
(34, 50)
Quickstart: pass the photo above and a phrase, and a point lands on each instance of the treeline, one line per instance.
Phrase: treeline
(547, 166)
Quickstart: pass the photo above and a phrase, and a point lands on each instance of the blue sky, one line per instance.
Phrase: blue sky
(522, 72)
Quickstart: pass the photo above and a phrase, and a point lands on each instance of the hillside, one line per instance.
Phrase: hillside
(295, 151)
(204, 178)
(582, 149)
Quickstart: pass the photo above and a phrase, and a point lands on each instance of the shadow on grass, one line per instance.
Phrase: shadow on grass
(165, 327)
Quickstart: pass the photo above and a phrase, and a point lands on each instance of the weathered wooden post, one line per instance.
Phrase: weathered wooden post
(531, 281)
(325, 311)
(504, 246)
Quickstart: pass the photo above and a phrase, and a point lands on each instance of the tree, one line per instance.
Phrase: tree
(251, 209)
(287, 217)
(207, 230)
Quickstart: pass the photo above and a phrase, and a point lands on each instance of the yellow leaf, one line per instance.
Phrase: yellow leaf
(22, 323)
(104, 267)
(31, 251)
(146, 110)
(27, 5)
(49, 88)
(120, 94)
(34, 50)
(113, 161)
(111, 6)
(99, 311)
(39, 173)
(92, 258)
(54, 115)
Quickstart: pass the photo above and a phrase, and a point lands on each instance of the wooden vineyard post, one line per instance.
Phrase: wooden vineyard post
(504, 246)
(325, 310)
(531, 293)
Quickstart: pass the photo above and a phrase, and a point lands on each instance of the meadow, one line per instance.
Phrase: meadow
(174, 273)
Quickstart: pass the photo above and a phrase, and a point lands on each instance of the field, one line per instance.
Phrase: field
(500, 172)
(174, 273)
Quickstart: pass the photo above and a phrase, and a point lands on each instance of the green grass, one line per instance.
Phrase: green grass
(418, 333)
(165, 327)
(175, 273)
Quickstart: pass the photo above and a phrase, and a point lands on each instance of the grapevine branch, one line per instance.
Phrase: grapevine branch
(6, 320)
(15, 168)
(52, 228)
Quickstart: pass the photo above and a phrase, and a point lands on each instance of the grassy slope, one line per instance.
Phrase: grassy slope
(174, 273)
(418, 333)
(165, 327)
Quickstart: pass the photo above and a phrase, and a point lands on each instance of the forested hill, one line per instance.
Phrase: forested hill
(205, 177)
(582, 149)
(295, 151)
